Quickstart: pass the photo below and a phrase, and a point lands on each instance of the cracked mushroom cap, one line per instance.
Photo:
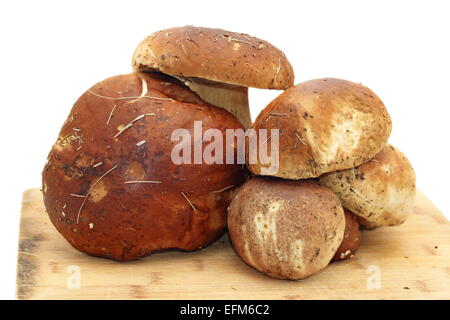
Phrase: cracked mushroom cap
(110, 185)
(380, 191)
(324, 125)
(216, 55)
(286, 229)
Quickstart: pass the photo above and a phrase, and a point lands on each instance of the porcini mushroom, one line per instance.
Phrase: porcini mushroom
(352, 238)
(218, 65)
(284, 228)
(381, 191)
(110, 185)
(325, 125)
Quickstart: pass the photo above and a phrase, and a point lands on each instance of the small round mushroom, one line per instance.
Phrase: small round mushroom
(285, 229)
(325, 125)
(111, 187)
(381, 191)
(218, 65)
(350, 243)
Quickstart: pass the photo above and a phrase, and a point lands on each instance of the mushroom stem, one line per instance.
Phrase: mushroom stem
(232, 98)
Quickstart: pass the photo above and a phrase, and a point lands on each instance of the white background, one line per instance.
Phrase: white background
(53, 51)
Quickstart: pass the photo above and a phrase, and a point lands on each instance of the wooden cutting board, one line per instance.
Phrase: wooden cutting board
(411, 261)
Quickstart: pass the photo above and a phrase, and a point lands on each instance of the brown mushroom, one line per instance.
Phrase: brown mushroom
(381, 191)
(325, 125)
(218, 65)
(110, 186)
(352, 237)
(286, 229)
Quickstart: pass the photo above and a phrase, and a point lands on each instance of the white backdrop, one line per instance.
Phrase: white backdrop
(52, 51)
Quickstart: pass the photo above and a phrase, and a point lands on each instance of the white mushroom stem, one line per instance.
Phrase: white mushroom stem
(232, 98)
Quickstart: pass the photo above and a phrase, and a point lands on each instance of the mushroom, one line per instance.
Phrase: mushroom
(284, 228)
(352, 237)
(218, 65)
(381, 192)
(111, 187)
(327, 125)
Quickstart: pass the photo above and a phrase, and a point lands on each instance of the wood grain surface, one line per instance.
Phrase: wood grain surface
(411, 261)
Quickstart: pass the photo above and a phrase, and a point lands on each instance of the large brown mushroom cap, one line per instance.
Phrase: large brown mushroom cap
(216, 55)
(285, 229)
(110, 186)
(325, 125)
(381, 191)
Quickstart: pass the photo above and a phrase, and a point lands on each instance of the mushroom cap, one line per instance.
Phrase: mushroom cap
(325, 125)
(285, 229)
(113, 191)
(216, 55)
(380, 191)
(352, 237)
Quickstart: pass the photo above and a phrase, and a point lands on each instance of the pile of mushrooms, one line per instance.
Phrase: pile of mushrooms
(111, 184)
(336, 172)
(112, 188)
